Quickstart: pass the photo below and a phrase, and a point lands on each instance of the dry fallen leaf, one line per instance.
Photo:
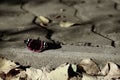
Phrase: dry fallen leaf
(111, 70)
(76, 78)
(89, 66)
(10, 71)
(22, 75)
(88, 77)
(61, 72)
(1, 79)
(2, 76)
(74, 67)
(13, 74)
(66, 24)
(43, 20)
(6, 65)
(12, 78)
(33, 74)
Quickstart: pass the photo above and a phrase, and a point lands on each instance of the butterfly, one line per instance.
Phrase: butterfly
(36, 45)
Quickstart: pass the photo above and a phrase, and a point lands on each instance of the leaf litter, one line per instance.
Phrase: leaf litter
(87, 69)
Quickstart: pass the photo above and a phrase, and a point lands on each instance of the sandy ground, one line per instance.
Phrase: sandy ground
(98, 20)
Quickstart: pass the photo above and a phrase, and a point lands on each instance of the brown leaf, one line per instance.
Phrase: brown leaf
(76, 78)
(6, 65)
(43, 21)
(66, 24)
(60, 73)
(34, 74)
(63, 72)
(1, 78)
(111, 70)
(2, 75)
(89, 66)
(13, 72)
(88, 77)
